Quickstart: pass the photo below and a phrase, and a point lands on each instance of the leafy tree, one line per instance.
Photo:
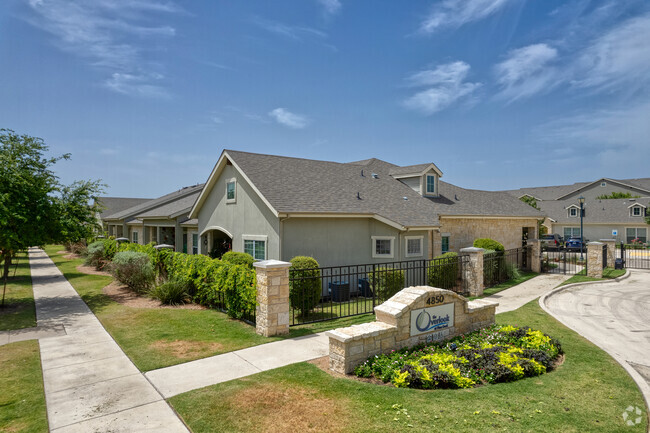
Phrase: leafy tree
(529, 201)
(615, 195)
(35, 208)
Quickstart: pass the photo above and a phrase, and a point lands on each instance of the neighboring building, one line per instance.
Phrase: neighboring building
(112, 205)
(621, 219)
(369, 211)
(163, 220)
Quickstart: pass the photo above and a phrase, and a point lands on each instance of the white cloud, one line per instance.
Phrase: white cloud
(331, 6)
(110, 34)
(455, 13)
(619, 57)
(446, 86)
(297, 33)
(136, 85)
(526, 71)
(289, 119)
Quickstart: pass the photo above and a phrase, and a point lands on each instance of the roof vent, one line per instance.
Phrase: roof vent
(632, 199)
(405, 198)
(375, 176)
(362, 173)
(456, 197)
(358, 196)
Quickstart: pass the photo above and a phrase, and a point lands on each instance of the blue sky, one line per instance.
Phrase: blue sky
(500, 94)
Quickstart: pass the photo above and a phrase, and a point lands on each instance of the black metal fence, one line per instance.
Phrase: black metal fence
(501, 266)
(563, 261)
(242, 312)
(604, 256)
(329, 293)
(634, 256)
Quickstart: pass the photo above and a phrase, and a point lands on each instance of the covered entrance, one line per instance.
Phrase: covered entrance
(216, 241)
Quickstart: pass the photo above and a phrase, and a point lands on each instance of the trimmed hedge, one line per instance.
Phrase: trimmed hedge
(305, 290)
(488, 244)
(443, 272)
(236, 258)
(386, 281)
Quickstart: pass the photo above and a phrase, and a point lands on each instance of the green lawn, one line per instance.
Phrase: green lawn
(525, 276)
(19, 311)
(22, 399)
(588, 393)
(156, 338)
(581, 277)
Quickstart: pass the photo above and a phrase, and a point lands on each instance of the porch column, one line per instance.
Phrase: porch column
(158, 235)
(272, 312)
(535, 255)
(611, 251)
(473, 272)
(595, 259)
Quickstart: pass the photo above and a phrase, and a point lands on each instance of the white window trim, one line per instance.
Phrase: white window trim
(603, 184)
(639, 207)
(231, 200)
(406, 246)
(373, 245)
(135, 235)
(426, 182)
(264, 238)
(574, 209)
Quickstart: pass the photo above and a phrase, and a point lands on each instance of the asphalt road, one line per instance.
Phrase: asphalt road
(615, 316)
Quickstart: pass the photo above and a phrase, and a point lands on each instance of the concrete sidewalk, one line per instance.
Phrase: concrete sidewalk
(521, 294)
(181, 378)
(90, 384)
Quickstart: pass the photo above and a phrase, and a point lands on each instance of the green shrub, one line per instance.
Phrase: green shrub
(133, 269)
(443, 271)
(494, 267)
(304, 284)
(488, 244)
(386, 281)
(513, 271)
(236, 258)
(172, 292)
(95, 255)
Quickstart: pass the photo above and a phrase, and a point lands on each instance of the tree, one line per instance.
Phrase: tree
(35, 208)
(529, 201)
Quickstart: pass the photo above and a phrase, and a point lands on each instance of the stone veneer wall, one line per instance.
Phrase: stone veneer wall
(463, 231)
(595, 259)
(351, 346)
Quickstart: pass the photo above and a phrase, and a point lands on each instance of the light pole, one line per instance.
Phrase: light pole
(581, 200)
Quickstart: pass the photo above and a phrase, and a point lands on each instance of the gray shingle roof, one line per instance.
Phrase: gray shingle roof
(599, 211)
(113, 205)
(294, 185)
(181, 205)
(554, 192)
(154, 203)
(408, 169)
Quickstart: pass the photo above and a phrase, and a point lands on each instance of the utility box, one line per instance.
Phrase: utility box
(339, 291)
(618, 264)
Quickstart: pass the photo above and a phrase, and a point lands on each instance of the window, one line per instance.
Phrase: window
(603, 183)
(231, 191)
(414, 246)
(445, 244)
(134, 237)
(573, 212)
(195, 243)
(431, 184)
(382, 246)
(641, 234)
(255, 245)
(636, 211)
(571, 231)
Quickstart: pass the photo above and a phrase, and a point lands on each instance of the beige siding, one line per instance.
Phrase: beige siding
(463, 231)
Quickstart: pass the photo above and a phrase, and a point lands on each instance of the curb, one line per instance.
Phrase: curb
(638, 379)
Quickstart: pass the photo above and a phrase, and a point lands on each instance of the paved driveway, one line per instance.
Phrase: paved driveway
(613, 315)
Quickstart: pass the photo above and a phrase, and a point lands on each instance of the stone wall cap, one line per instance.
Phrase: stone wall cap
(480, 304)
(471, 250)
(270, 264)
(595, 243)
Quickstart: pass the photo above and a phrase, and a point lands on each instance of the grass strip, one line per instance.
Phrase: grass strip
(588, 393)
(19, 311)
(525, 276)
(581, 277)
(22, 399)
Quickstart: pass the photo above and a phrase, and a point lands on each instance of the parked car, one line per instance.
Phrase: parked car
(575, 243)
(552, 242)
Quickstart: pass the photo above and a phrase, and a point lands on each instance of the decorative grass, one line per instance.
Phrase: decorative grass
(588, 393)
(22, 399)
(19, 311)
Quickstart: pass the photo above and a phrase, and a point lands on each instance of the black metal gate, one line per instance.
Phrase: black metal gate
(562, 261)
(633, 257)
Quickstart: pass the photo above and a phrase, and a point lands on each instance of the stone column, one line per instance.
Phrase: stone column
(611, 251)
(535, 255)
(473, 271)
(595, 259)
(272, 312)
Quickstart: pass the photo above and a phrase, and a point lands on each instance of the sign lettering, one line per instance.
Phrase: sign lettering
(431, 319)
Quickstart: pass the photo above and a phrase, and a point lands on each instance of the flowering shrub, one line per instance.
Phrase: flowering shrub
(490, 355)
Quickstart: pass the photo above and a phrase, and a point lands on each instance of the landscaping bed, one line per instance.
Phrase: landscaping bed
(490, 355)
(587, 393)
